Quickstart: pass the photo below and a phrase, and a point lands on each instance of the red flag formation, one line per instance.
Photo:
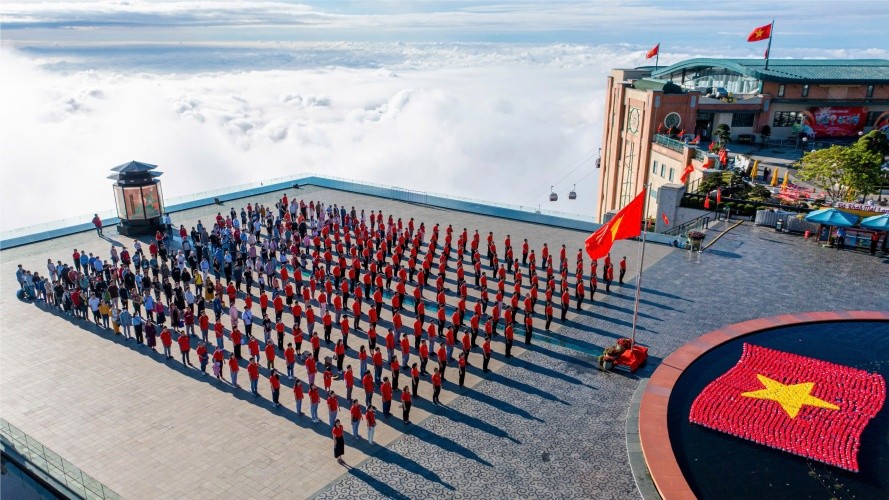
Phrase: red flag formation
(626, 224)
(653, 52)
(793, 403)
(761, 33)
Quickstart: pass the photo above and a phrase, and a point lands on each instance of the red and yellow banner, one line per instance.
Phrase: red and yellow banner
(793, 403)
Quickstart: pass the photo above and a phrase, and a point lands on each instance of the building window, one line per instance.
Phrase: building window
(781, 90)
(671, 175)
(805, 91)
(872, 118)
(663, 167)
(654, 167)
(870, 91)
(743, 119)
(786, 118)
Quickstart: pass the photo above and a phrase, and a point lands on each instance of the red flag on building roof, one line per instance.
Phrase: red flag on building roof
(627, 223)
(707, 202)
(793, 403)
(685, 173)
(696, 140)
(760, 33)
(653, 52)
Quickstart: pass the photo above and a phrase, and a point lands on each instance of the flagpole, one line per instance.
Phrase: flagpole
(769, 46)
(657, 57)
(641, 261)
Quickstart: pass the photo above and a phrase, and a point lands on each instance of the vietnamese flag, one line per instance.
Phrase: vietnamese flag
(761, 33)
(625, 224)
(653, 52)
(685, 173)
(707, 202)
(718, 195)
(723, 157)
(664, 217)
(793, 403)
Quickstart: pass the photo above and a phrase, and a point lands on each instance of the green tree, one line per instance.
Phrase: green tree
(843, 172)
(875, 141)
(723, 132)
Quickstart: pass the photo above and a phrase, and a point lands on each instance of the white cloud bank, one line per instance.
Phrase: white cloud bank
(496, 123)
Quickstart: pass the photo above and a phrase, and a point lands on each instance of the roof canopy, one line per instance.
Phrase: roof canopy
(664, 86)
(133, 166)
(836, 71)
(134, 171)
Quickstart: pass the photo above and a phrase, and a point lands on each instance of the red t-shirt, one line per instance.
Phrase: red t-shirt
(253, 371)
(386, 391)
(332, 404)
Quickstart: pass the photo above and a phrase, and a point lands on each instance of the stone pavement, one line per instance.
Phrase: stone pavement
(147, 430)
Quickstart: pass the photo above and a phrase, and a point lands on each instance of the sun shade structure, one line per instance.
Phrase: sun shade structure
(832, 217)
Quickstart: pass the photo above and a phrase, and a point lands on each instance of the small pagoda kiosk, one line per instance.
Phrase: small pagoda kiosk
(139, 198)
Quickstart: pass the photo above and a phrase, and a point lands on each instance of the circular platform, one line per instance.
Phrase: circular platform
(774, 449)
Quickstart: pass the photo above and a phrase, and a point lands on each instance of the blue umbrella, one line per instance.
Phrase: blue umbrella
(832, 217)
(876, 223)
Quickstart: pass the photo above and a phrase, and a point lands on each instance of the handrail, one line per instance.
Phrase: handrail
(701, 222)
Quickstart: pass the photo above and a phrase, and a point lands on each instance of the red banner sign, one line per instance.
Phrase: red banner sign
(837, 121)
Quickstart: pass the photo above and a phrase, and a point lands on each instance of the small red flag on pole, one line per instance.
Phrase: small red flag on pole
(685, 173)
(665, 219)
(718, 195)
(707, 202)
(761, 33)
(653, 52)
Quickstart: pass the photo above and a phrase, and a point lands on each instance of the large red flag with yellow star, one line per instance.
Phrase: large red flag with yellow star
(760, 33)
(625, 224)
(793, 403)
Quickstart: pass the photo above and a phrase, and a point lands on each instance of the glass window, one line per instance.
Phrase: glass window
(805, 91)
(786, 118)
(654, 167)
(151, 197)
(743, 119)
(671, 174)
(133, 201)
(118, 198)
(663, 167)
(781, 90)
(870, 91)
(872, 118)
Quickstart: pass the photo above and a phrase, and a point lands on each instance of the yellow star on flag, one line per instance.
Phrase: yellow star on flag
(758, 33)
(615, 226)
(791, 397)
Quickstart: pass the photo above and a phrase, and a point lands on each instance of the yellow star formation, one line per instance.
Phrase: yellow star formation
(615, 227)
(791, 397)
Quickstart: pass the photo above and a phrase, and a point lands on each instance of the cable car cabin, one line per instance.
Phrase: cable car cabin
(573, 194)
(553, 197)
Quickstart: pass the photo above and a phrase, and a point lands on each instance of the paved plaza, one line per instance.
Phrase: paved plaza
(545, 424)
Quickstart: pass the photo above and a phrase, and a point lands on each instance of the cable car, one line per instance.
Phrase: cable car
(552, 195)
(573, 194)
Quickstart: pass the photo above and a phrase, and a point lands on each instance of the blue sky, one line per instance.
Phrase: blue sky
(488, 100)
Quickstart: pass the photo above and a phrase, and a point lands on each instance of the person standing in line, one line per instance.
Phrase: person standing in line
(436, 386)
(270, 356)
(167, 342)
(623, 270)
(233, 367)
(314, 401)
(126, 322)
(339, 443)
(290, 359)
(579, 293)
(253, 373)
(406, 405)
(333, 407)
(355, 410)
(461, 367)
(370, 416)
(137, 327)
(605, 267)
(275, 382)
(386, 394)
(609, 275)
(298, 396)
(548, 310)
(529, 328)
(508, 336)
(415, 379)
(98, 223)
(203, 358)
(486, 352)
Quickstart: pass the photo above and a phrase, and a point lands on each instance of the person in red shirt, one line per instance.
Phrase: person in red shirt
(253, 373)
(218, 358)
(340, 351)
(394, 367)
(436, 386)
(415, 379)
(386, 393)
(339, 443)
(486, 352)
(253, 348)
(566, 299)
(370, 416)
(275, 382)
(333, 407)
(609, 276)
(167, 342)
(349, 380)
(442, 355)
(328, 379)
(203, 357)
(424, 357)
(184, 348)
(290, 359)
(314, 401)
(529, 327)
(316, 345)
(270, 356)
(368, 382)
(204, 325)
(232, 366)
(623, 270)
(378, 365)
(549, 314)
(311, 369)
(406, 405)
(461, 367)
(508, 337)
(580, 293)
(355, 412)
(298, 396)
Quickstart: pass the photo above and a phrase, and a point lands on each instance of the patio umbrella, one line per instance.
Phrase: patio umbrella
(755, 169)
(786, 177)
(774, 178)
(876, 223)
(832, 217)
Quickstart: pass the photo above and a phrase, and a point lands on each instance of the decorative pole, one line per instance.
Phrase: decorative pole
(769, 46)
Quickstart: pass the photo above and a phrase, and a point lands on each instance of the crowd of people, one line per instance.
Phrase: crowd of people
(285, 278)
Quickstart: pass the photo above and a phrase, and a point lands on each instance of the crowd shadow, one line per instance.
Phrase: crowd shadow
(458, 416)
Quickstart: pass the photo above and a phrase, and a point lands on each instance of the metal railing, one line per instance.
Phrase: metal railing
(701, 223)
(49, 467)
(669, 143)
